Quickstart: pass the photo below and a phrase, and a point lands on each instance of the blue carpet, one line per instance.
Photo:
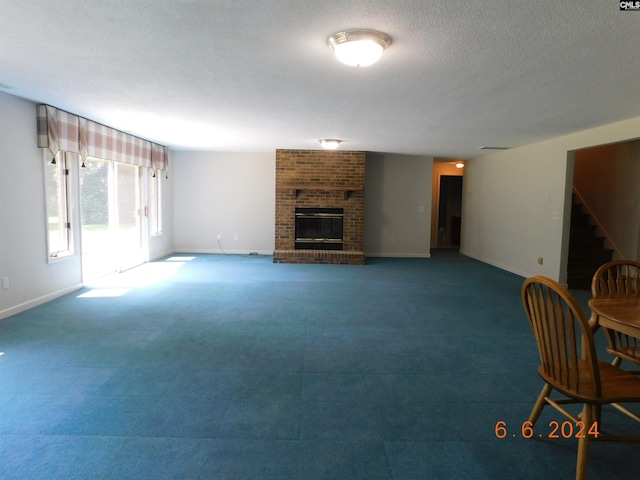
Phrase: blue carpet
(232, 367)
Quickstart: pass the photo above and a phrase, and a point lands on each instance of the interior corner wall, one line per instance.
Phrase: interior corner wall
(23, 247)
(397, 218)
(227, 194)
(515, 202)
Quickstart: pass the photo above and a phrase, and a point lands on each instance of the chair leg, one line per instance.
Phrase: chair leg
(616, 361)
(540, 403)
(583, 443)
(597, 414)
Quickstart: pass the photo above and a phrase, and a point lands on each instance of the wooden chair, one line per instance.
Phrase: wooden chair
(619, 277)
(569, 364)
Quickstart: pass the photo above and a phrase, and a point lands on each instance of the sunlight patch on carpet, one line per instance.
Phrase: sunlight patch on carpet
(105, 292)
(141, 276)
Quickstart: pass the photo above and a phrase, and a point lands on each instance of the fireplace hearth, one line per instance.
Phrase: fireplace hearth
(319, 207)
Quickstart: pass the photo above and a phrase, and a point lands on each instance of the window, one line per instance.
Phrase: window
(58, 206)
(155, 223)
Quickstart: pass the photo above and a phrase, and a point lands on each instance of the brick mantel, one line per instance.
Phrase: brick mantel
(319, 179)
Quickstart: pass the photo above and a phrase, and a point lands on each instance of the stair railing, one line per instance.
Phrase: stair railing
(601, 229)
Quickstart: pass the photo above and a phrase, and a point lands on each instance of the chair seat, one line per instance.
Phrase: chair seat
(617, 386)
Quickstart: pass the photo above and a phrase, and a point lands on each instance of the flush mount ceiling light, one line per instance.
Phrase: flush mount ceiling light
(330, 143)
(459, 164)
(359, 48)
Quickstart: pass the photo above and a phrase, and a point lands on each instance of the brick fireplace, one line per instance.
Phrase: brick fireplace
(320, 179)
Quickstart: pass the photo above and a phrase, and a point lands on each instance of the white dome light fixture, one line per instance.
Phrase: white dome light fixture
(359, 48)
(330, 143)
(459, 164)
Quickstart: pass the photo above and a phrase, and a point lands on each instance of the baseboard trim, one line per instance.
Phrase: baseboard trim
(497, 264)
(160, 255)
(8, 312)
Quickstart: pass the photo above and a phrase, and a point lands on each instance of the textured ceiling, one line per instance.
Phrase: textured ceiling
(256, 75)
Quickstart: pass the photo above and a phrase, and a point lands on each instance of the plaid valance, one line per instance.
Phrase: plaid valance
(62, 131)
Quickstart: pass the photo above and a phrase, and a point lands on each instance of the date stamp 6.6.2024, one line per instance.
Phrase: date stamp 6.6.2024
(555, 430)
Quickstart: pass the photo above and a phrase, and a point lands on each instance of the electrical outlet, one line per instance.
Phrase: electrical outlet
(540, 260)
(5, 283)
(235, 238)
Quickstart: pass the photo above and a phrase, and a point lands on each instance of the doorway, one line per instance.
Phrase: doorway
(110, 218)
(604, 187)
(449, 211)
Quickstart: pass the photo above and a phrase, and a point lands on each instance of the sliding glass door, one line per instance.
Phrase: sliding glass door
(95, 198)
(111, 226)
(128, 230)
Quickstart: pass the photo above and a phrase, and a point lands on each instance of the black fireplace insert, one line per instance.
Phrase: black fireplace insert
(319, 228)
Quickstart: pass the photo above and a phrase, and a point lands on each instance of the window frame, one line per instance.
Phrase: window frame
(64, 205)
(154, 214)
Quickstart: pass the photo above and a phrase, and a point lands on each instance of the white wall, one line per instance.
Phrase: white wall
(397, 219)
(231, 194)
(517, 203)
(23, 248)
(226, 194)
